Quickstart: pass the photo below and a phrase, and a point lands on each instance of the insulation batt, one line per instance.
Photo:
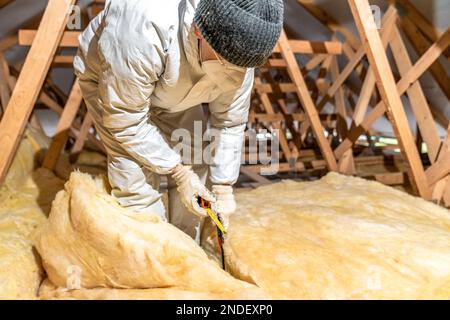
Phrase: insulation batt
(25, 201)
(112, 247)
(340, 238)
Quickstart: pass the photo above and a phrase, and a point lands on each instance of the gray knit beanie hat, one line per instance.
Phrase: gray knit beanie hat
(243, 32)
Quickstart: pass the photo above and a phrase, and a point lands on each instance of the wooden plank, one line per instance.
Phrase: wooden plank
(83, 134)
(28, 87)
(62, 130)
(69, 38)
(440, 188)
(63, 62)
(387, 24)
(311, 47)
(8, 42)
(307, 102)
(411, 76)
(364, 98)
(315, 61)
(267, 105)
(346, 163)
(416, 97)
(439, 169)
(386, 85)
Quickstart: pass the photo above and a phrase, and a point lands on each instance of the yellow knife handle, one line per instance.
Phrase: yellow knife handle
(216, 220)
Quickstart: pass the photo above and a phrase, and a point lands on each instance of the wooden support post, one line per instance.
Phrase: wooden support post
(62, 130)
(307, 102)
(386, 84)
(31, 79)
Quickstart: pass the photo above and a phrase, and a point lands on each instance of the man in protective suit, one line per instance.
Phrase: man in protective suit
(146, 71)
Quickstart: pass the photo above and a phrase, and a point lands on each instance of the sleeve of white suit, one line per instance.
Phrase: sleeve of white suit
(229, 116)
(129, 69)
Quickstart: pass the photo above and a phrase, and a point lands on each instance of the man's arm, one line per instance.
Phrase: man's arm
(229, 116)
(129, 70)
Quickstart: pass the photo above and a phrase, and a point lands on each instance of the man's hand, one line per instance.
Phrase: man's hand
(225, 205)
(190, 188)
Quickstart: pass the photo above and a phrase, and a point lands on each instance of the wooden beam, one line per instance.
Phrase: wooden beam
(267, 105)
(439, 169)
(69, 38)
(62, 130)
(411, 76)
(387, 24)
(346, 163)
(416, 97)
(441, 187)
(307, 102)
(310, 47)
(386, 85)
(28, 87)
(83, 134)
(63, 62)
(8, 42)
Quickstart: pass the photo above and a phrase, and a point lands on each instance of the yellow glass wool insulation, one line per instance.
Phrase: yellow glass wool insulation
(49, 292)
(340, 238)
(25, 200)
(110, 247)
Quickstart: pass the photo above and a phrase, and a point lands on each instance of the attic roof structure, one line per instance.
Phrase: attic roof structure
(351, 88)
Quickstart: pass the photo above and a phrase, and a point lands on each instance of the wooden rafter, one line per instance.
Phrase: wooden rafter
(63, 128)
(308, 104)
(28, 88)
(386, 85)
(411, 76)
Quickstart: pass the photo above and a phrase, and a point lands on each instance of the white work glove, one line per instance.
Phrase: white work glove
(225, 204)
(191, 188)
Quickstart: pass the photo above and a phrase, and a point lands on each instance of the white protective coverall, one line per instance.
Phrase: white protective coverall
(142, 78)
